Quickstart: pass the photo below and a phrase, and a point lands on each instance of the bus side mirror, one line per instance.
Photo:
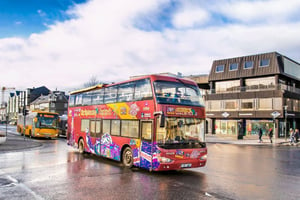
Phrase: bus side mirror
(161, 118)
(162, 121)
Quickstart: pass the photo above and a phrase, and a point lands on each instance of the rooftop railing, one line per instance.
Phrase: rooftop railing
(255, 88)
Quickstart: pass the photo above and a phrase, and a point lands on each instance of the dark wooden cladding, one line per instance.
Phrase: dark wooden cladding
(256, 71)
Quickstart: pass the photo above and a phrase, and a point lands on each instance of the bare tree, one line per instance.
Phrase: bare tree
(91, 82)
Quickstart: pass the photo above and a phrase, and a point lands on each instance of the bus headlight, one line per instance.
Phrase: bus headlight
(204, 157)
(164, 159)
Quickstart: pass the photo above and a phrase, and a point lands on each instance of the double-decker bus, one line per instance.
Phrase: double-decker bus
(154, 122)
(39, 124)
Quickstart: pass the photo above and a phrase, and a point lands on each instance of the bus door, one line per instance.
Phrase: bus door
(95, 133)
(146, 150)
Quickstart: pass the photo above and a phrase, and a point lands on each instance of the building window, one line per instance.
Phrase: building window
(220, 68)
(264, 63)
(230, 105)
(260, 83)
(247, 104)
(265, 104)
(248, 64)
(214, 105)
(227, 86)
(233, 66)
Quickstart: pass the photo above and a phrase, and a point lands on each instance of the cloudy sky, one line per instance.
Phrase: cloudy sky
(63, 43)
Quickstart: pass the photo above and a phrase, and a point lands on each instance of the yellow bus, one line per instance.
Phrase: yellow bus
(39, 124)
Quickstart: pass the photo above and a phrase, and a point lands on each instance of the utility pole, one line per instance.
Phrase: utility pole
(285, 121)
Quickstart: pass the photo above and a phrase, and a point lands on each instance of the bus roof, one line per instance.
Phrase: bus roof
(87, 89)
(151, 76)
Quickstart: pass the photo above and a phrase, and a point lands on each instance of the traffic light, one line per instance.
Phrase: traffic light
(25, 112)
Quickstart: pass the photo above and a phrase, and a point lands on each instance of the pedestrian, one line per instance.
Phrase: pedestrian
(297, 135)
(271, 134)
(260, 133)
(292, 136)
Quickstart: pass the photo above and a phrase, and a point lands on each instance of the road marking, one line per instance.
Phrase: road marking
(207, 194)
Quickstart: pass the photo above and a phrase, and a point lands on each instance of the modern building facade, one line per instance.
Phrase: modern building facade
(252, 92)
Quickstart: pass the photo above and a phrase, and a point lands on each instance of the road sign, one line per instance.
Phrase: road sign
(275, 114)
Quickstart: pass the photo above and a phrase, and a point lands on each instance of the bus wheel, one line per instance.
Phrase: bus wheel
(81, 146)
(30, 134)
(127, 157)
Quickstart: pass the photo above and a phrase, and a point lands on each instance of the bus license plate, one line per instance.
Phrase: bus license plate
(186, 165)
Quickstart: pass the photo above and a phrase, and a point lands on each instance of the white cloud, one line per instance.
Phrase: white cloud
(103, 42)
(190, 15)
(261, 11)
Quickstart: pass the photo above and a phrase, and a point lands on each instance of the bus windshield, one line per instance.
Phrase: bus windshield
(177, 93)
(181, 131)
(47, 121)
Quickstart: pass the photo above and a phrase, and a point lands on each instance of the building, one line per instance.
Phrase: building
(18, 99)
(252, 92)
(56, 101)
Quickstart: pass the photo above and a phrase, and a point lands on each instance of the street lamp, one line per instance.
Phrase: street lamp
(285, 121)
(24, 111)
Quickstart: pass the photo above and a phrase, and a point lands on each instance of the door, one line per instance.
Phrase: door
(146, 146)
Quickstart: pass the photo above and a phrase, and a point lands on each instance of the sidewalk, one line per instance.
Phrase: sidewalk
(17, 143)
(248, 140)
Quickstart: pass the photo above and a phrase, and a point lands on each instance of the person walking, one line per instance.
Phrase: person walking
(271, 135)
(292, 136)
(260, 133)
(297, 135)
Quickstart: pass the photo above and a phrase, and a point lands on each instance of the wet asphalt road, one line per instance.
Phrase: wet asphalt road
(57, 171)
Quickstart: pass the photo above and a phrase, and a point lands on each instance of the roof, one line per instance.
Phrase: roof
(276, 66)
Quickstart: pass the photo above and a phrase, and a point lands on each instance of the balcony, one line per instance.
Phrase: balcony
(256, 88)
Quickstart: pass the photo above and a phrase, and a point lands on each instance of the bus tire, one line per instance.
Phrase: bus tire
(127, 157)
(81, 146)
(30, 134)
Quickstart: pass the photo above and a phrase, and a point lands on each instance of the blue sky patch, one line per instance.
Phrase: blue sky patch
(20, 18)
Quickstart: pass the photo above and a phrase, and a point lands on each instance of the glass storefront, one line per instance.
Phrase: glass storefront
(252, 126)
(226, 127)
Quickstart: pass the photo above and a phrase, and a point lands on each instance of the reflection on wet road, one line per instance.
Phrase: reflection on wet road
(56, 171)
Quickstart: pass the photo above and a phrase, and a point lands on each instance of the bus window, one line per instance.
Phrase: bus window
(85, 124)
(125, 92)
(130, 128)
(93, 128)
(110, 94)
(106, 126)
(72, 100)
(142, 90)
(115, 127)
(98, 128)
(87, 99)
(146, 130)
(97, 97)
(78, 99)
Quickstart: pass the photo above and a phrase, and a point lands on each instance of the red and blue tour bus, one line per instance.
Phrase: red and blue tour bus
(154, 122)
